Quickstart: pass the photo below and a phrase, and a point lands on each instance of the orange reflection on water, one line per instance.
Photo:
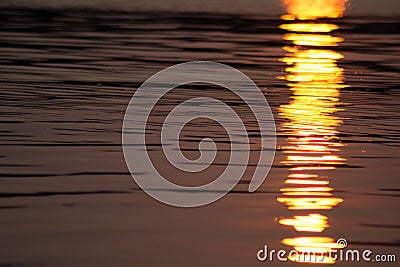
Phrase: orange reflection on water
(314, 9)
(309, 27)
(313, 39)
(318, 245)
(315, 80)
(307, 223)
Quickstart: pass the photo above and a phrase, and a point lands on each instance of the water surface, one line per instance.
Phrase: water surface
(66, 195)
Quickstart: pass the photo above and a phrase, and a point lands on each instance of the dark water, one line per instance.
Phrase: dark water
(66, 196)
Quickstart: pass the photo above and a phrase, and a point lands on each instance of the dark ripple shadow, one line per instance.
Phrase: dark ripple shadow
(44, 175)
(11, 207)
(49, 194)
(389, 226)
(375, 243)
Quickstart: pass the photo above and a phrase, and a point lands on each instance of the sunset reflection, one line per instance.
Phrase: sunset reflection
(314, 9)
(312, 147)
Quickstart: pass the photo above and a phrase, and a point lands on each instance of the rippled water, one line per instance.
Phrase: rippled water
(66, 195)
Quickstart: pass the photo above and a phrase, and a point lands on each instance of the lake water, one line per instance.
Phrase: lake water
(66, 195)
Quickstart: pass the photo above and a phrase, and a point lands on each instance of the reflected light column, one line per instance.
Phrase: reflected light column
(315, 80)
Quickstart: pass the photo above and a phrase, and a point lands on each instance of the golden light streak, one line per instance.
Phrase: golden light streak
(313, 9)
(310, 203)
(306, 189)
(325, 243)
(309, 27)
(307, 193)
(300, 182)
(313, 39)
(316, 246)
(315, 80)
(313, 53)
(308, 223)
